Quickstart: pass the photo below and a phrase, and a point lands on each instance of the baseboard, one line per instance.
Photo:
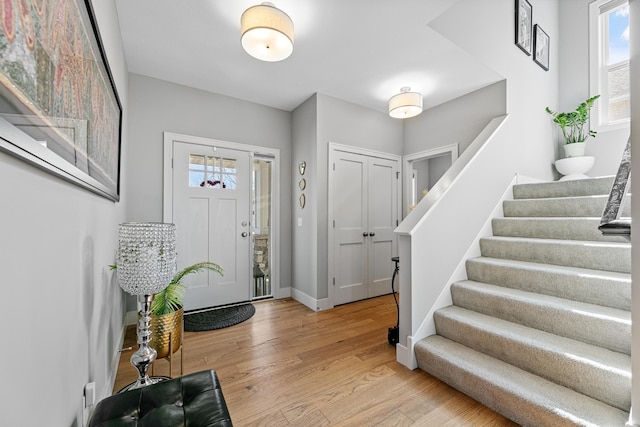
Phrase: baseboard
(283, 293)
(312, 303)
(405, 355)
(130, 318)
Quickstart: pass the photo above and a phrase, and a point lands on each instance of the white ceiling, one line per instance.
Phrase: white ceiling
(361, 51)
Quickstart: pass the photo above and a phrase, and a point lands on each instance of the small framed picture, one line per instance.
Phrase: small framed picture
(524, 21)
(541, 47)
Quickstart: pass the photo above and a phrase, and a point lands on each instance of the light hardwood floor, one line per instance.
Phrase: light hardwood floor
(290, 366)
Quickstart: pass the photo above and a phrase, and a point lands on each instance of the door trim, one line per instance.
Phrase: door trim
(167, 191)
(333, 149)
(423, 155)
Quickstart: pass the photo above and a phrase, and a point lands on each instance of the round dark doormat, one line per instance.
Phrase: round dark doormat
(218, 318)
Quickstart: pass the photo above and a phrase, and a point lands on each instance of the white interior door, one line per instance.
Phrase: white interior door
(211, 193)
(365, 213)
(350, 216)
(382, 220)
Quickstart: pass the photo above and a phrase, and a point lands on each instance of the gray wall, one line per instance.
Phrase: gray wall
(157, 106)
(318, 121)
(608, 146)
(305, 236)
(63, 320)
(455, 122)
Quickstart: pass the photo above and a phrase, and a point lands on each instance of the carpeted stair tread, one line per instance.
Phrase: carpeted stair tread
(602, 374)
(523, 397)
(585, 187)
(608, 256)
(559, 228)
(607, 327)
(607, 288)
(583, 206)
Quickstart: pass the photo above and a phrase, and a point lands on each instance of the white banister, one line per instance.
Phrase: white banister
(438, 235)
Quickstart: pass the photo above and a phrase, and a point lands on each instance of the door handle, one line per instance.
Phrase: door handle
(372, 234)
(365, 234)
(244, 234)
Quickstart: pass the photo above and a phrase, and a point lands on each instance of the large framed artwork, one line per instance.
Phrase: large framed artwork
(59, 108)
(524, 21)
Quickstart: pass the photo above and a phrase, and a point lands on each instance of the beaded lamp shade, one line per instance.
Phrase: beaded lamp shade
(146, 257)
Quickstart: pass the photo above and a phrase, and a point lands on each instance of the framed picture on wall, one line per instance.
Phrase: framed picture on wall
(541, 47)
(59, 109)
(524, 23)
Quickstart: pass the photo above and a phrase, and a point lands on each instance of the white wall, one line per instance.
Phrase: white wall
(157, 106)
(608, 146)
(486, 30)
(63, 322)
(524, 142)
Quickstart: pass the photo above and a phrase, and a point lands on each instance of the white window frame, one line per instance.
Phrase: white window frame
(598, 70)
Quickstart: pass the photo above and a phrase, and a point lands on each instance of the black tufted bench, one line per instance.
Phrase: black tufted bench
(194, 400)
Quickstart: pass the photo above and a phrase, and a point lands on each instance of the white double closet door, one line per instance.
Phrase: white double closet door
(363, 216)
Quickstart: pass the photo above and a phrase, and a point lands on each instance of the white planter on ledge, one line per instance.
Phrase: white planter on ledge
(574, 150)
(574, 167)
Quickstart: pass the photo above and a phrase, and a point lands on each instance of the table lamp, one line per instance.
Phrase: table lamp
(146, 263)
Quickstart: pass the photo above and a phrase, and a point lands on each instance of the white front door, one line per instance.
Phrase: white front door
(210, 207)
(365, 213)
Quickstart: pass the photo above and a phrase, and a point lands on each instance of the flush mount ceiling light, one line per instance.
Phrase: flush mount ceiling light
(267, 33)
(405, 104)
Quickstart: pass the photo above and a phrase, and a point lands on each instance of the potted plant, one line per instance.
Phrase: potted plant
(167, 311)
(572, 126)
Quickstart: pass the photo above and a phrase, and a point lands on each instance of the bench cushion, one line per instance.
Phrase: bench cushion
(194, 400)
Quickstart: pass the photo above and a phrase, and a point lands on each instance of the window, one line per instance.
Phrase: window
(609, 63)
(212, 172)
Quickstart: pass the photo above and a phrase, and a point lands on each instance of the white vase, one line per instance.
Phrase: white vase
(574, 167)
(574, 150)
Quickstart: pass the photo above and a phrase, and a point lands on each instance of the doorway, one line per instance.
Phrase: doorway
(221, 197)
(423, 170)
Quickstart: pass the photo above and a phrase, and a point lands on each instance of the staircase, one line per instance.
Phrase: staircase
(541, 330)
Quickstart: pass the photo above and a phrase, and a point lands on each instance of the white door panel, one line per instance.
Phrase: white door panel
(382, 216)
(364, 195)
(211, 191)
(350, 224)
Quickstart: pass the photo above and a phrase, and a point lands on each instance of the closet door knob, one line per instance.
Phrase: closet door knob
(372, 234)
(365, 234)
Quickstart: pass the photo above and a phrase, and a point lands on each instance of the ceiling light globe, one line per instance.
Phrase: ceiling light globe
(267, 33)
(406, 104)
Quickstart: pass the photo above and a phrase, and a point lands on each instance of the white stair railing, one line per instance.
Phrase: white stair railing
(438, 233)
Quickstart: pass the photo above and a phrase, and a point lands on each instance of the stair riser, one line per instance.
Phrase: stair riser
(550, 363)
(591, 206)
(591, 187)
(576, 285)
(609, 333)
(552, 228)
(602, 256)
(519, 396)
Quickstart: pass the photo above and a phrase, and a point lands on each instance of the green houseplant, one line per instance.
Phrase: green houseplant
(572, 124)
(167, 311)
(171, 298)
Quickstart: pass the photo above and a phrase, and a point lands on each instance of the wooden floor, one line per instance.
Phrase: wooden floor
(290, 366)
